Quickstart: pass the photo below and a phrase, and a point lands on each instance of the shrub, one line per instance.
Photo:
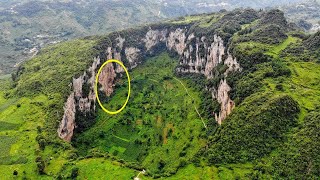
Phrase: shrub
(279, 87)
(15, 172)
(40, 165)
(74, 172)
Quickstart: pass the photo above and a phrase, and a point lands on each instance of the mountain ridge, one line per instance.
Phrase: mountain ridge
(23, 34)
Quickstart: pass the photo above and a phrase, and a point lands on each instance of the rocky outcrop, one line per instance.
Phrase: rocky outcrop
(225, 101)
(106, 79)
(78, 101)
(132, 55)
(197, 55)
(153, 37)
(232, 64)
(67, 125)
(177, 40)
(202, 57)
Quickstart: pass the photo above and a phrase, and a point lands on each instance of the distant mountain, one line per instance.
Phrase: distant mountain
(306, 15)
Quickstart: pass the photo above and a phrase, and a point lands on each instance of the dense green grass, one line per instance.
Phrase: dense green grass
(19, 120)
(7, 126)
(6, 142)
(104, 169)
(276, 50)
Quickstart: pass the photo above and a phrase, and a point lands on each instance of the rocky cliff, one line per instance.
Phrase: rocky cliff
(197, 55)
(79, 101)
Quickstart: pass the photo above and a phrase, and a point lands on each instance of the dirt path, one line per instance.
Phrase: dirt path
(193, 100)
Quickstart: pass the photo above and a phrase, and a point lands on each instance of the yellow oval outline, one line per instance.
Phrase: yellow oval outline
(96, 86)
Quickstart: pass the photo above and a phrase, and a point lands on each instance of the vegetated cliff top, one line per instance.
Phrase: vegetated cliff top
(63, 20)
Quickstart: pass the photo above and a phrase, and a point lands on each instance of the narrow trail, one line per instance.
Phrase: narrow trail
(192, 99)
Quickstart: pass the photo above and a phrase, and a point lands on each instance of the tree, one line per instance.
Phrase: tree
(15, 172)
(40, 165)
(74, 172)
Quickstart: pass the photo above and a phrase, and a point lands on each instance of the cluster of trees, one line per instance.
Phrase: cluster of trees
(307, 50)
(253, 130)
(271, 34)
(300, 157)
(270, 29)
(275, 17)
(227, 25)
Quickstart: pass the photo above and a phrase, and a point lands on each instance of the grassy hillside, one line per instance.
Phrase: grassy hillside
(272, 70)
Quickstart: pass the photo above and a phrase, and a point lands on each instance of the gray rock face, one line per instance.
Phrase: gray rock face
(153, 37)
(199, 57)
(225, 101)
(177, 40)
(67, 125)
(132, 55)
(209, 55)
(77, 101)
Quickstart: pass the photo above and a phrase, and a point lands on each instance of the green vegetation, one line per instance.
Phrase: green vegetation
(18, 135)
(302, 149)
(272, 71)
(254, 129)
(48, 72)
(147, 131)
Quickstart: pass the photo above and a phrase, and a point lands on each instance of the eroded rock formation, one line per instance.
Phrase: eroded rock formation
(153, 37)
(78, 101)
(225, 101)
(106, 79)
(67, 125)
(177, 40)
(132, 54)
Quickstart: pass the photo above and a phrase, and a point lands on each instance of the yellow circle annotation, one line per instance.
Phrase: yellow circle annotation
(96, 86)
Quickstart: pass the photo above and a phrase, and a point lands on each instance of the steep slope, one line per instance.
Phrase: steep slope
(221, 95)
